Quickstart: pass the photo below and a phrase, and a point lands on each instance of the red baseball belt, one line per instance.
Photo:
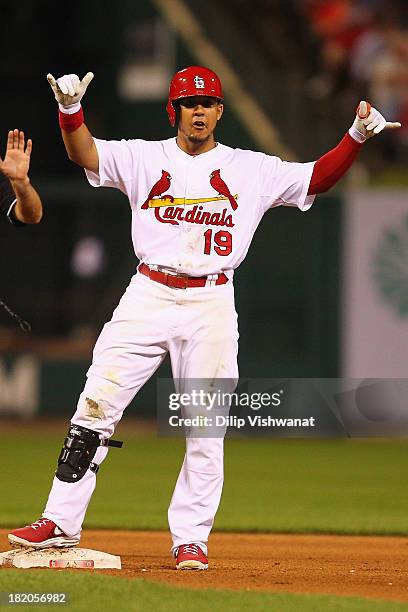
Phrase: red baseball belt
(179, 281)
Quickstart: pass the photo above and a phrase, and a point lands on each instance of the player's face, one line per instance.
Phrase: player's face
(198, 118)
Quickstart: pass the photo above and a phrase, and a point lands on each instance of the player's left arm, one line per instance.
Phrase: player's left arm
(330, 168)
(15, 165)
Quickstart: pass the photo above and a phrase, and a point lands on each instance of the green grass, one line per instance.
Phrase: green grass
(321, 486)
(85, 590)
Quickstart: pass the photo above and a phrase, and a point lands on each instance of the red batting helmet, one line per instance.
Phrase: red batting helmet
(192, 81)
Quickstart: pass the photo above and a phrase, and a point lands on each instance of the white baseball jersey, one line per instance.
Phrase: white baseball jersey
(197, 214)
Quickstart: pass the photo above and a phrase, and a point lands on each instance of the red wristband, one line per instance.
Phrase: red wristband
(70, 123)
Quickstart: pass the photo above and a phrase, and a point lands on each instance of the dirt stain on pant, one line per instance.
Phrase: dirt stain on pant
(93, 409)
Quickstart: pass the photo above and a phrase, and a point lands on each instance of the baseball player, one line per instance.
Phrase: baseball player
(195, 206)
(18, 198)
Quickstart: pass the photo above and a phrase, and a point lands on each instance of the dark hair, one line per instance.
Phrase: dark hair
(176, 105)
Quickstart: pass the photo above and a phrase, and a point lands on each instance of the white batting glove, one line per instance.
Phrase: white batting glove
(68, 90)
(369, 122)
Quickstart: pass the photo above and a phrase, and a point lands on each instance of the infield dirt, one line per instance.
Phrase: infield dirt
(365, 566)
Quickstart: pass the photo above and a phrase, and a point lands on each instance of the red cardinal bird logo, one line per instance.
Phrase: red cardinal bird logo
(219, 185)
(158, 188)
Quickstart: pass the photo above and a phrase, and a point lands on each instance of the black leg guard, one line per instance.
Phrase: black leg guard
(77, 453)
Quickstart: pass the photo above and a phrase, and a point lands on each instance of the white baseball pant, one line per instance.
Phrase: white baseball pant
(198, 327)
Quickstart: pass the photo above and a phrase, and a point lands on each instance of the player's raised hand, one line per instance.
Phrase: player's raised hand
(16, 162)
(69, 89)
(370, 122)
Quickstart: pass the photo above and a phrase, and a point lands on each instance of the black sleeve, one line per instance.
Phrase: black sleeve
(7, 195)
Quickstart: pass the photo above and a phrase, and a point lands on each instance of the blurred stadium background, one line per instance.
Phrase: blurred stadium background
(321, 294)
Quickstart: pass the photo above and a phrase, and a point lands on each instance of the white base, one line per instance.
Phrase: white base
(59, 558)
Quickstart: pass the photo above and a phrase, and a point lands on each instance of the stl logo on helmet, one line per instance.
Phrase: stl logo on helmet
(199, 82)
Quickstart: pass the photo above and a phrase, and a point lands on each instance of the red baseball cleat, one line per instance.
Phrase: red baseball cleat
(44, 533)
(191, 557)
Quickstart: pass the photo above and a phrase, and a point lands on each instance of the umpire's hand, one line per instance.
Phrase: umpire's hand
(369, 122)
(69, 89)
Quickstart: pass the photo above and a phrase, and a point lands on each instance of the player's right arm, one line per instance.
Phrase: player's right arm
(78, 140)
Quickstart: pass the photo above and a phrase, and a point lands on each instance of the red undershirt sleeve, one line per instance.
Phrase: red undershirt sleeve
(329, 168)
